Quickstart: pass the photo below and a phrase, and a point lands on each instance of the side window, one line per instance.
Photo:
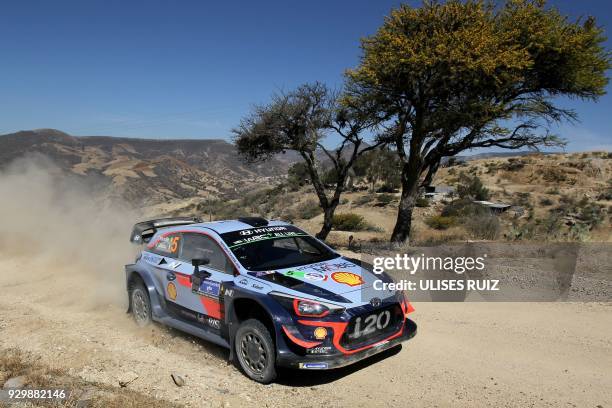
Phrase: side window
(202, 246)
(168, 245)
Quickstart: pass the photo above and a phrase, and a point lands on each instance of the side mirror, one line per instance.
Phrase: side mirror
(200, 261)
(198, 275)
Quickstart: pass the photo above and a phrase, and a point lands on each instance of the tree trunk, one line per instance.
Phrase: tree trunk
(328, 216)
(410, 192)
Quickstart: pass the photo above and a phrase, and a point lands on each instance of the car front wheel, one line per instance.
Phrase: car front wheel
(255, 351)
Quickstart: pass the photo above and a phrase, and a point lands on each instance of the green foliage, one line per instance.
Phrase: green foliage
(471, 187)
(384, 199)
(591, 214)
(440, 222)
(380, 165)
(460, 75)
(349, 222)
(464, 208)
(297, 176)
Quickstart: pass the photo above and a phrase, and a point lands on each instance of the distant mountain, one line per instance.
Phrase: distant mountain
(148, 170)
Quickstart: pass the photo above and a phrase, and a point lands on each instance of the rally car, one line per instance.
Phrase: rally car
(266, 290)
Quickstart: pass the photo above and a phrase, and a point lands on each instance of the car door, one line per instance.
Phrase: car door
(166, 250)
(199, 299)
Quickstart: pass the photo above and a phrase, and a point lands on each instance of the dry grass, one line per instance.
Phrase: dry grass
(14, 363)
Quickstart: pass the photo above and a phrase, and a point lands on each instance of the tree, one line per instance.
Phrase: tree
(300, 120)
(464, 75)
(379, 165)
(297, 175)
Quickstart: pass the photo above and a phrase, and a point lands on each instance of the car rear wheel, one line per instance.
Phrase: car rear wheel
(141, 305)
(255, 351)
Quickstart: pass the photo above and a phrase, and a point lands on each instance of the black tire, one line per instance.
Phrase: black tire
(140, 304)
(256, 352)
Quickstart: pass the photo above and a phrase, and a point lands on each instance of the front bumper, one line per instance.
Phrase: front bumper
(286, 358)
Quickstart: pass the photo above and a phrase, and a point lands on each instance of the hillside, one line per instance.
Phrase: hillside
(557, 197)
(146, 170)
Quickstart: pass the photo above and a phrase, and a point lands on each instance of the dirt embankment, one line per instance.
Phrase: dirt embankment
(63, 301)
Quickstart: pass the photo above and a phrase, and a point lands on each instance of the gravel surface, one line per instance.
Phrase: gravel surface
(465, 354)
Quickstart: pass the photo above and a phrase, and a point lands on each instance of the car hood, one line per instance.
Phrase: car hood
(340, 276)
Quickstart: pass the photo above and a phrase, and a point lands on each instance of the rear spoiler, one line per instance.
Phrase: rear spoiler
(143, 231)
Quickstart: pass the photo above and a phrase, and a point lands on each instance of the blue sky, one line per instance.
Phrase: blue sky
(192, 69)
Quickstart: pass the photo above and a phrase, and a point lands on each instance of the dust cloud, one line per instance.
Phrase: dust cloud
(60, 232)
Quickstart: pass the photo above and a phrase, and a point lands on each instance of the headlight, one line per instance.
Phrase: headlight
(306, 307)
(309, 308)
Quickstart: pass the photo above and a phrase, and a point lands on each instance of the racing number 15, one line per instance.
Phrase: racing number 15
(174, 244)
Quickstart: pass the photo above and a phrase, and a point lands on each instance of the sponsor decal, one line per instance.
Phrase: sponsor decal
(229, 292)
(313, 366)
(348, 278)
(320, 333)
(262, 273)
(171, 289)
(258, 287)
(209, 321)
(151, 258)
(319, 350)
(209, 288)
(215, 323)
(314, 276)
(237, 238)
(243, 282)
(327, 266)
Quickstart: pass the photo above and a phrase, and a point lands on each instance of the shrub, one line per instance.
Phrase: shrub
(309, 209)
(440, 222)
(472, 187)
(422, 202)
(365, 199)
(349, 222)
(592, 214)
(384, 199)
(605, 195)
(546, 201)
(463, 208)
(513, 164)
(483, 226)
(387, 188)
(554, 175)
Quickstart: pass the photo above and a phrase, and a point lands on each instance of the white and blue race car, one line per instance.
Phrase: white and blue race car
(268, 291)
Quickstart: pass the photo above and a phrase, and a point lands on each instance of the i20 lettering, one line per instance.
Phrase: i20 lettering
(371, 323)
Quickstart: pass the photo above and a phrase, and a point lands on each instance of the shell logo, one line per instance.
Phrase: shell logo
(171, 291)
(347, 278)
(320, 333)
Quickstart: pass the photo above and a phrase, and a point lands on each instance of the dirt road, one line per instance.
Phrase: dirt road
(471, 354)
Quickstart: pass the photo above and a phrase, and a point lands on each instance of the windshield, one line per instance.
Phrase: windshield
(267, 248)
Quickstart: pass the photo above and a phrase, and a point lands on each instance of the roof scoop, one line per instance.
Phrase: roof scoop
(254, 221)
